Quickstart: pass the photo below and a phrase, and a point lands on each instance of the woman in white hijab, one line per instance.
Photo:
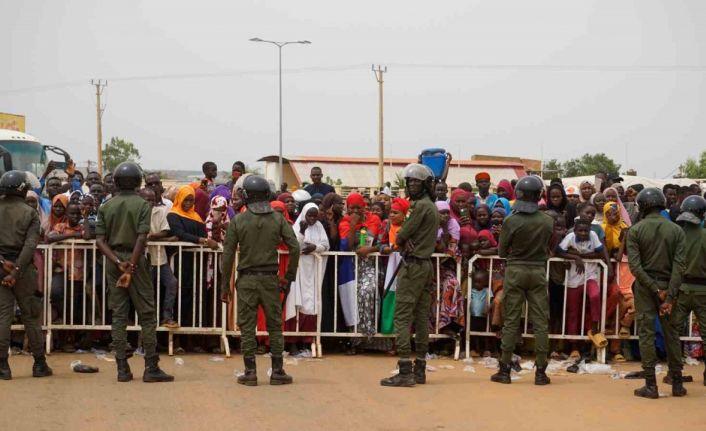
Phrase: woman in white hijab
(304, 293)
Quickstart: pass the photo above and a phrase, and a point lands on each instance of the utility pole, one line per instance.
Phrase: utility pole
(379, 71)
(100, 86)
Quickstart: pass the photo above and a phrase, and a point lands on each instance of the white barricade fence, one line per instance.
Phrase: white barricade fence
(495, 263)
(615, 316)
(76, 299)
(349, 293)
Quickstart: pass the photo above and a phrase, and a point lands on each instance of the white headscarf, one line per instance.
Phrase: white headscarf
(315, 234)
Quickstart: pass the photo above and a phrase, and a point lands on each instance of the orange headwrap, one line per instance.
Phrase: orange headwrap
(183, 193)
(481, 176)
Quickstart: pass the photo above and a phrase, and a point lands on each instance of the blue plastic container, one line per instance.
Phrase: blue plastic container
(435, 159)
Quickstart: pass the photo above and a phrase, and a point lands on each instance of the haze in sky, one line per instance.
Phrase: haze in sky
(523, 78)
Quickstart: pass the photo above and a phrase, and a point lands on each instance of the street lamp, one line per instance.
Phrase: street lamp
(279, 46)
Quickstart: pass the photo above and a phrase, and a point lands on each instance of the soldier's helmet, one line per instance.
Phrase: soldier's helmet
(422, 173)
(651, 197)
(256, 191)
(14, 183)
(693, 209)
(418, 172)
(128, 176)
(528, 192)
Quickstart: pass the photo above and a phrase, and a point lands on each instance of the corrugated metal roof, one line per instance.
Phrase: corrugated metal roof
(366, 175)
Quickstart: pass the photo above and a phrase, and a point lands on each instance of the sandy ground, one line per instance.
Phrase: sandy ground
(337, 392)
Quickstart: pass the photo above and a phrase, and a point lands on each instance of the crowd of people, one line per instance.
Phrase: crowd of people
(590, 222)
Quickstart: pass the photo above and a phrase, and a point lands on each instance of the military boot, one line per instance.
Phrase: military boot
(279, 377)
(124, 373)
(678, 389)
(154, 374)
(503, 374)
(5, 372)
(540, 376)
(40, 367)
(405, 378)
(250, 376)
(650, 388)
(420, 371)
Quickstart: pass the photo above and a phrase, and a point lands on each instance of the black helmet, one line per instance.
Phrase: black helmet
(256, 191)
(528, 192)
(422, 173)
(14, 183)
(651, 197)
(127, 176)
(693, 209)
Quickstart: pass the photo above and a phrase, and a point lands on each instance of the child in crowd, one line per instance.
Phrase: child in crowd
(620, 304)
(451, 315)
(162, 275)
(582, 282)
(398, 212)
(557, 272)
(480, 299)
(68, 273)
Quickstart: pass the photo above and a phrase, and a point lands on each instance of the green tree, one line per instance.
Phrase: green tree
(118, 151)
(590, 164)
(399, 181)
(551, 169)
(694, 168)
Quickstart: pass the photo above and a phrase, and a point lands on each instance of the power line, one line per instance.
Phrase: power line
(685, 68)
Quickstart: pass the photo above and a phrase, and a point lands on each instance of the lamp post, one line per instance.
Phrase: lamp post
(279, 46)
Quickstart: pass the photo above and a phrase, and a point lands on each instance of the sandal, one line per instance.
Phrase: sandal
(619, 358)
(624, 332)
(599, 340)
(575, 355)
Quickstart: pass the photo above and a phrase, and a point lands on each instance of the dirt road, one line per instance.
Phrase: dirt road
(338, 393)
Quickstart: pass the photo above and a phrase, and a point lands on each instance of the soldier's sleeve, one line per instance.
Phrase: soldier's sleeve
(143, 218)
(290, 239)
(417, 216)
(635, 262)
(678, 266)
(505, 239)
(100, 221)
(229, 249)
(31, 241)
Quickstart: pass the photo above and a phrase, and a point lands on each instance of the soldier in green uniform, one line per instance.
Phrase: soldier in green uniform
(655, 248)
(258, 231)
(417, 239)
(121, 234)
(18, 276)
(692, 293)
(524, 243)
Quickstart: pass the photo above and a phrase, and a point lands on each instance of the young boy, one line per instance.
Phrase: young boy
(68, 271)
(581, 244)
(210, 172)
(159, 263)
(479, 312)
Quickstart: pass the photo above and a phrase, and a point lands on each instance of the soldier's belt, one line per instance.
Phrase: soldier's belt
(694, 280)
(251, 272)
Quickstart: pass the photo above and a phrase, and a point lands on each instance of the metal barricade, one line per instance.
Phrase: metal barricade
(76, 294)
(615, 316)
(495, 260)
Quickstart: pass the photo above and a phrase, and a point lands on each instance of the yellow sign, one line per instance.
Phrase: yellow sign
(12, 122)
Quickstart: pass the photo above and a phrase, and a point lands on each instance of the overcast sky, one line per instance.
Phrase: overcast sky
(516, 78)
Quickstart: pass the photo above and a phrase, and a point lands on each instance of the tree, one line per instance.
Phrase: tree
(399, 181)
(693, 168)
(118, 151)
(551, 169)
(590, 164)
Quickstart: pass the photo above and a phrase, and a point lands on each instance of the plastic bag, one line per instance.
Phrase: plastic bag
(594, 368)
(238, 373)
(469, 369)
(178, 361)
(446, 367)
(468, 361)
(489, 363)
(431, 356)
(691, 361)
(216, 359)
(527, 365)
(431, 369)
